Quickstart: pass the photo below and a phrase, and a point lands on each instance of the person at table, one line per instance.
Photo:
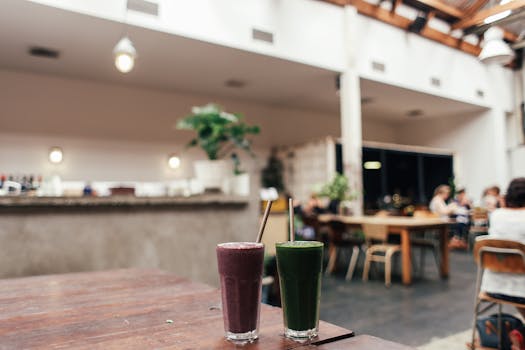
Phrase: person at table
(491, 199)
(304, 212)
(462, 210)
(508, 223)
(438, 204)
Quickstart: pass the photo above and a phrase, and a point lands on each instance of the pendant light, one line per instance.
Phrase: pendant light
(125, 55)
(495, 50)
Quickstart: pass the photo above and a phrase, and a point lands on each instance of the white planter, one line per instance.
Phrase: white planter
(240, 185)
(212, 173)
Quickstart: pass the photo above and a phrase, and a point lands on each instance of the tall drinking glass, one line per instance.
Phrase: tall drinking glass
(300, 266)
(240, 270)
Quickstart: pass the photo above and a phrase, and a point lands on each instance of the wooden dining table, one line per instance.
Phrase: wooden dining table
(405, 227)
(133, 309)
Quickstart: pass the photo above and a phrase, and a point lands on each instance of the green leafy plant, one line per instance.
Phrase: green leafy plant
(338, 189)
(218, 132)
(237, 170)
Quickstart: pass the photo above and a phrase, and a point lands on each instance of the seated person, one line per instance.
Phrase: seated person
(438, 204)
(303, 229)
(463, 206)
(508, 223)
(491, 199)
(313, 206)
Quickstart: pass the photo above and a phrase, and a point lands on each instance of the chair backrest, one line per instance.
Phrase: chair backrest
(480, 213)
(421, 213)
(382, 213)
(375, 232)
(499, 255)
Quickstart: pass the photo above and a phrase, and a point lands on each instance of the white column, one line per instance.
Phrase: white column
(350, 99)
(499, 145)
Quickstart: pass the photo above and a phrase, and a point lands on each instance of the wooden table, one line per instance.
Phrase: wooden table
(126, 309)
(359, 342)
(404, 226)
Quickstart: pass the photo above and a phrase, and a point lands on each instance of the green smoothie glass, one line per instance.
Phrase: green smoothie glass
(300, 267)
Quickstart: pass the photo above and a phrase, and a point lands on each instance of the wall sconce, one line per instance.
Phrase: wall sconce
(55, 155)
(173, 161)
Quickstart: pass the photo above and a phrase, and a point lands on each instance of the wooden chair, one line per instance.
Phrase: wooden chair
(479, 225)
(337, 238)
(379, 252)
(500, 256)
(426, 241)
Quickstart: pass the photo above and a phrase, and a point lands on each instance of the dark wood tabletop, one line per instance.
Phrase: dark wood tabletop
(138, 309)
(361, 342)
(126, 309)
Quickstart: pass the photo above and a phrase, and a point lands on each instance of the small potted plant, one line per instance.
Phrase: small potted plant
(338, 191)
(240, 182)
(218, 134)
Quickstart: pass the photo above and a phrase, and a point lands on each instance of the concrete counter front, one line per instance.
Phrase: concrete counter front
(58, 235)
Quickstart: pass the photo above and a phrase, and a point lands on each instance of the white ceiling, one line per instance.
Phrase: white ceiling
(392, 103)
(170, 62)
(165, 61)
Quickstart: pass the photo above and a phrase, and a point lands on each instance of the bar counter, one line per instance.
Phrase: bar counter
(49, 235)
(12, 202)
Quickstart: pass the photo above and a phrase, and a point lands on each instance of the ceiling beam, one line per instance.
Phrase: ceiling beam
(392, 18)
(442, 7)
(475, 7)
(480, 16)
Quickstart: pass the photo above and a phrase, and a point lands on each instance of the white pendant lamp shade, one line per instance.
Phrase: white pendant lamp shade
(125, 55)
(495, 50)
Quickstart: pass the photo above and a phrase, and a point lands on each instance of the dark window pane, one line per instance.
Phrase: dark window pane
(372, 178)
(402, 174)
(438, 171)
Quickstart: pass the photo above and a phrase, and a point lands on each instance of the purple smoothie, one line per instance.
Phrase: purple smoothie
(240, 270)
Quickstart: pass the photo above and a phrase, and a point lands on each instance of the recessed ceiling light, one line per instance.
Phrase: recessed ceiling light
(235, 83)
(45, 52)
(414, 113)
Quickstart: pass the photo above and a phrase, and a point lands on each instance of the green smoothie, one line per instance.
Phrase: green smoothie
(300, 267)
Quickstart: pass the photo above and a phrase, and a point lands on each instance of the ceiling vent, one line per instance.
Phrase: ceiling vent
(45, 52)
(378, 66)
(234, 83)
(435, 82)
(366, 100)
(143, 6)
(262, 35)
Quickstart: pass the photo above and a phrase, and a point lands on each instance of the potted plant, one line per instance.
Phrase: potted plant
(218, 133)
(240, 182)
(338, 191)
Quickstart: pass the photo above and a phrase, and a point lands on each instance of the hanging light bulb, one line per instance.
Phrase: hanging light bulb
(125, 55)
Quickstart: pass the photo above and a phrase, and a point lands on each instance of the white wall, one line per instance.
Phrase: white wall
(114, 132)
(517, 161)
(304, 30)
(411, 61)
(471, 139)
(380, 131)
(91, 159)
(311, 32)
